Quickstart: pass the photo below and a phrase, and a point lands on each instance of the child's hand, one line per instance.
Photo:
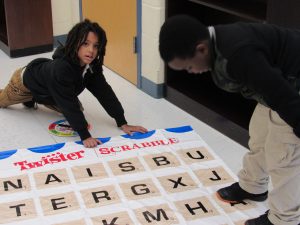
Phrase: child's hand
(91, 142)
(128, 129)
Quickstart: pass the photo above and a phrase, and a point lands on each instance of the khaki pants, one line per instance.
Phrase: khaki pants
(15, 92)
(275, 153)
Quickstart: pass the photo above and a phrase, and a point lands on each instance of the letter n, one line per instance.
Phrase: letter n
(6, 183)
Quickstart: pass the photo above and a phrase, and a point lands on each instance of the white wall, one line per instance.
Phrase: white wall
(153, 16)
(65, 14)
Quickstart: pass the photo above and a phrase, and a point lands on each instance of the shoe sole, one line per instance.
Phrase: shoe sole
(224, 200)
(256, 199)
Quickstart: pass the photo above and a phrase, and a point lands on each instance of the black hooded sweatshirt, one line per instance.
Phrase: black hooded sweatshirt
(60, 81)
(262, 61)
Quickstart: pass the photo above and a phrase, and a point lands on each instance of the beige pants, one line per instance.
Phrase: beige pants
(15, 92)
(275, 153)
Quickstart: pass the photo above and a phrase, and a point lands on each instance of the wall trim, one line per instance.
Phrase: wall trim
(151, 88)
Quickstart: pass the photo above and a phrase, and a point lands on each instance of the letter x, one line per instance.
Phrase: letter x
(176, 183)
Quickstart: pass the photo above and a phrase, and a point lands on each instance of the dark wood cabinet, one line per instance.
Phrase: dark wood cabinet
(25, 27)
(197, 94)
(284, 13)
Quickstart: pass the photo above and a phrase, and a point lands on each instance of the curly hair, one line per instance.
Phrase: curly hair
(77, 37)
(179, 36)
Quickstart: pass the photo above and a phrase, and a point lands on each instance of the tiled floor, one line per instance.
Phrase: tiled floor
(21, 127)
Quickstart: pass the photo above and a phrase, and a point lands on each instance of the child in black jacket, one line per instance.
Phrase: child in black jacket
(262, 62)
(57, 83)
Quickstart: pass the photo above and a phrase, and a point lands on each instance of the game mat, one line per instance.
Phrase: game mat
(163, 177)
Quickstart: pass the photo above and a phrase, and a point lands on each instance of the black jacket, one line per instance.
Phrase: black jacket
(59, 82)
(263, 60)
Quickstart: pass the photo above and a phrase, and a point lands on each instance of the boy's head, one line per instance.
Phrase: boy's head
(184, 44)
(86, 40)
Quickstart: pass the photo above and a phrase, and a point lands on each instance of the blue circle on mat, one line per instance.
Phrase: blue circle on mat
(6, 154)
(139, 135)
(47, 148)
(103, 140)
(180, 129)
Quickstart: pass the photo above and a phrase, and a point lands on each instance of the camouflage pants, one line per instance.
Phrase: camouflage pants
(15, 92)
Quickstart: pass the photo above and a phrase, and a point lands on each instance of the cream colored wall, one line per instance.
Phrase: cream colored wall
(153, 16)
(65, 13)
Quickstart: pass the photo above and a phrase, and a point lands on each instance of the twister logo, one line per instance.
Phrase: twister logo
(50, 159)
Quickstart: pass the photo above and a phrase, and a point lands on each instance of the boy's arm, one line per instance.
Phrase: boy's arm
(62, 91)
(98, 86)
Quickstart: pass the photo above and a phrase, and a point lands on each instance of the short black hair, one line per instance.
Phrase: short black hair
(179, 36)
(78, 35)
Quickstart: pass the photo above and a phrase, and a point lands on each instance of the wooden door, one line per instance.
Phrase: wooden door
(119, 19)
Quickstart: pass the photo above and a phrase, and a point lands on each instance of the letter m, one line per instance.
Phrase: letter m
(148, 216)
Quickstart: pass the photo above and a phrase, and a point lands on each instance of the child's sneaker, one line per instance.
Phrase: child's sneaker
(261, 220)
(235, 194)
(30, 104)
